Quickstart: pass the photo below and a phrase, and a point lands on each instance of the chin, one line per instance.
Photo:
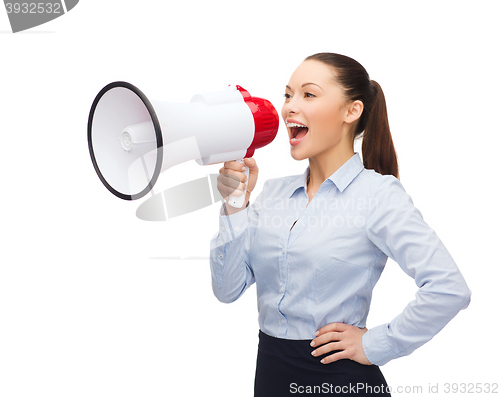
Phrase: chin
(296, 155)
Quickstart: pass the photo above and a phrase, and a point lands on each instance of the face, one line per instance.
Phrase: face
(314, 111)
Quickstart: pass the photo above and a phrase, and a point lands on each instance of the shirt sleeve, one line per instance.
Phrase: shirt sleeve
(229, 248)
(397, 228)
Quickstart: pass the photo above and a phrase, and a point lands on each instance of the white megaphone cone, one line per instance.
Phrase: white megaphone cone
(131, 140)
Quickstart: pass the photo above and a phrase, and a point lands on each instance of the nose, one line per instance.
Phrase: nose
(289, 108)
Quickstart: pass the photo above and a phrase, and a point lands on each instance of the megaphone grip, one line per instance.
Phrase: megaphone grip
(237, 201)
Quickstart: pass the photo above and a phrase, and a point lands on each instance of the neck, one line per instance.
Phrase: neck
(324, 165)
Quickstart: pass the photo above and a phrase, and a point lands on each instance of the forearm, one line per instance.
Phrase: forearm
(231, 275)
(419, 322)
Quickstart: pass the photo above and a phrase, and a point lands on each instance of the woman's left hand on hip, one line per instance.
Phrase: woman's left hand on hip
(343, 337)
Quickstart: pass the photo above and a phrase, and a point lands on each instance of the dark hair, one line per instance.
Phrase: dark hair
(377, 147)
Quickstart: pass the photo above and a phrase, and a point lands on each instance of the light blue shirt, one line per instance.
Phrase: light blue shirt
(323, 269)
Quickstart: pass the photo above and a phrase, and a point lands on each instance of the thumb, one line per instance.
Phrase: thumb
(253, 172)
(250, 162)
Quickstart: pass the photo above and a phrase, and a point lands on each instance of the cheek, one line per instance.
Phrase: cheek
(327, 119)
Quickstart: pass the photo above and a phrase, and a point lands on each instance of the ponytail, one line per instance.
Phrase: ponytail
(377, 147)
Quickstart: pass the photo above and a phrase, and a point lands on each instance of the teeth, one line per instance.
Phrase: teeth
(295, 125)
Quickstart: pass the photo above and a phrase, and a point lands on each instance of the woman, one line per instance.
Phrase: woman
(316, 244)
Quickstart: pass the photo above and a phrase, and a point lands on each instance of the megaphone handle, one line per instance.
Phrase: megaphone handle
(237, 201)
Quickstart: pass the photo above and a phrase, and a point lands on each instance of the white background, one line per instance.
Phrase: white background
(86, 306)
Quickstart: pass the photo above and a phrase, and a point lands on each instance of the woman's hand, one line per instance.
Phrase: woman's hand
(232, 181)
(339, 336)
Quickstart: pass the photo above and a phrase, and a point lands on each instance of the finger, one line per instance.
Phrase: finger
(327, 337)
(234, 188)
(236, 175)
(227, 182)
(232, 178)
(335, 357)
(338, 327)
(330, 347)
(234, 165)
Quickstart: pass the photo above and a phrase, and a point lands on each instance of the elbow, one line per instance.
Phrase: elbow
(225, 300)
(463, 294)
(225, 296)
(461, 297)
(459, 294)
(465, 297)
(451, 299)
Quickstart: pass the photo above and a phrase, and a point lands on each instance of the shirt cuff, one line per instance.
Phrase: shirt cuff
(232, 226)
(376, 345)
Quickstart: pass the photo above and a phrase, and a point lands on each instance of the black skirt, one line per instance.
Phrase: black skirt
(287, 368)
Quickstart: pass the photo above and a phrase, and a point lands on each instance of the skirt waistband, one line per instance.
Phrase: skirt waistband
(288, 348)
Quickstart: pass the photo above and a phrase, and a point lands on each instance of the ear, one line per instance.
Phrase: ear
(354, 111)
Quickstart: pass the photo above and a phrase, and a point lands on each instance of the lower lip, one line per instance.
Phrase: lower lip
(295, 142)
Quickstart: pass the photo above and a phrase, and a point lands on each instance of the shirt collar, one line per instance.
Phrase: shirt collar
(340, 178)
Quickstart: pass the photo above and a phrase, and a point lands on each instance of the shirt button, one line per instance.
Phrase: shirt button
(283, 250)
(281, 289)
(236, 229)
(282, 321)
(222, 228)
(221, 256)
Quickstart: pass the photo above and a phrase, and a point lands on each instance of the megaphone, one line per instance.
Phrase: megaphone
(132, 140)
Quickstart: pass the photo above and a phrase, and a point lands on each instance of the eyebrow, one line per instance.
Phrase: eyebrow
(306, 84)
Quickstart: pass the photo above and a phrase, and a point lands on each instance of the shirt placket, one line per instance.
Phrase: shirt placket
(295, 214)
(287, 237)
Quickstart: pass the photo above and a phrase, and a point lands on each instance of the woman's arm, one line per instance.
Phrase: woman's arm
(230, 268)
(397, 228)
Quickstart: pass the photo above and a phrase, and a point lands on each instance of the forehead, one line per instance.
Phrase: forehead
(312, 72)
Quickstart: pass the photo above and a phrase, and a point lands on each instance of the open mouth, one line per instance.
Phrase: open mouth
(297, 132)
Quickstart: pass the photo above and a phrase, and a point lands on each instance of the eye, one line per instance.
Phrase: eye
(287, 96)
(309, 95)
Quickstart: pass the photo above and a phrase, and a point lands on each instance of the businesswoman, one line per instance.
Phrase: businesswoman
(315, 244)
